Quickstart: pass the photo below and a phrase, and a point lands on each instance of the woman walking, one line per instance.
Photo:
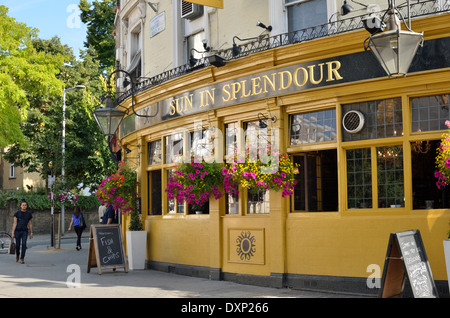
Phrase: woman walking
(78, 224)
(22, 223)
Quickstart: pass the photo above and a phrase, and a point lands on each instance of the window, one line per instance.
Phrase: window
(359, 178)
(305, 14)
(232, 203)
(231, 142)
(135, 52)
(155, 192)
(202, 145)
(173, 206)
(317, 181)
(430, 112)
(313, 127)
(256, 140)
(258, 202)
(426, 195)
(390, 177)
(12, 171)
(174, 147)
(195, 41)
(382, 119)
(154, 152)
(256, 143)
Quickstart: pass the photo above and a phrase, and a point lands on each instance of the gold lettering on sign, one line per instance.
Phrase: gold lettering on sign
(207, 97)
(271, 82)
(265, 83)
(311, 74)
(334, 71)
(284, 85)
(305, 76)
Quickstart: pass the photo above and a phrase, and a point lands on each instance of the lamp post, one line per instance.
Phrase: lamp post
(394, 48)
(63, 172)
(108, 118)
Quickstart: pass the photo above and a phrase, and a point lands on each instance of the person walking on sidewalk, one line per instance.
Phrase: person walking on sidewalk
(78, 224)
(22, 223)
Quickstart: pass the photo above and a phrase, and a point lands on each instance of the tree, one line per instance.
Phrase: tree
(25, 74)
(99, 18)
(87, 156)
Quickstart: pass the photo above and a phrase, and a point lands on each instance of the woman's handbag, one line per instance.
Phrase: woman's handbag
(12, 248)
(82, 222)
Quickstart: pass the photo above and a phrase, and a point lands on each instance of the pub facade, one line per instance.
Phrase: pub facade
(356, 182)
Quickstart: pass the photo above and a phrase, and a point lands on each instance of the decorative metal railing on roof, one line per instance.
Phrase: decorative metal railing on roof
(262, 43)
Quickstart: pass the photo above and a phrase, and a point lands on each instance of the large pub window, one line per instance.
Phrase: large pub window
(256, 141)
(154, 181)
(376, 171)
(317, 185)
(317, 180)
(428, 113)
(231, 150)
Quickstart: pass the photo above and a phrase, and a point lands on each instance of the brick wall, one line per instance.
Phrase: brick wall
(42, 219)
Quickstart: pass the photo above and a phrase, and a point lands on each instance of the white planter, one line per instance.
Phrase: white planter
(136, 244)
(447, 259)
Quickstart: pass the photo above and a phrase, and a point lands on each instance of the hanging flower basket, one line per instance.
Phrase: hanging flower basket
(261, 172)
(64, 197)
(119, 190)
(442, 172)
(195, 182)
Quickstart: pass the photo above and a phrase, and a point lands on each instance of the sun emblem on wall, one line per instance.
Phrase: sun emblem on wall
(246, 246)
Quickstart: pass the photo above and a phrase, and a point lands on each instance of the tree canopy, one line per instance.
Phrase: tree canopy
(33, 75)
(99, 19)
(25, 74)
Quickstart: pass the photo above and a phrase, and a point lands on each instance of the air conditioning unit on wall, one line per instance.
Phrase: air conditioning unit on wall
(191, 11)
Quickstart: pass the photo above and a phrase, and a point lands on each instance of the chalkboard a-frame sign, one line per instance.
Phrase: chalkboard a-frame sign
(106, 249)
(407, 263)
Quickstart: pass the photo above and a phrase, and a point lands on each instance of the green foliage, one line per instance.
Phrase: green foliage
(87, 156)
(37, 201)
(99, 19)
(25, 74)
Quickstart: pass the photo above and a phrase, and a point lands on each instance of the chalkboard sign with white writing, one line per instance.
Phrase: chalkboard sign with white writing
(106, 250)
(406, 261)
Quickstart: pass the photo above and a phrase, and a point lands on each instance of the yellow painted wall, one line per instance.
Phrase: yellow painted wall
(342, 243)
(345, 245)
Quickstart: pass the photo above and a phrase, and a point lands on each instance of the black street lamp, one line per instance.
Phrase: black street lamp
(109, 117)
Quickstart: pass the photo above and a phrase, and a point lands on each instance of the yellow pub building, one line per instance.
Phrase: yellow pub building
(356, 183)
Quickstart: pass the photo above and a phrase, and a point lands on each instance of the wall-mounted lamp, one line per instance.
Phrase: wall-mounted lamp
(109, 117)
(346, 8)
(262, 124)
(205, 46)
(394, 49)
(154, 6)
(262, 25)
(192, 59)
(236, 49)
(216, 60)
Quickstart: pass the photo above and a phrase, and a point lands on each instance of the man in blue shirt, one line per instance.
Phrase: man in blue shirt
(22, 222)
(109, 217)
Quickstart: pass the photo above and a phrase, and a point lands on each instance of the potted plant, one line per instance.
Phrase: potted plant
(195, 182)
(119, 190)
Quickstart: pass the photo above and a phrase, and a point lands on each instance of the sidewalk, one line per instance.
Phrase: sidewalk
(47, 270)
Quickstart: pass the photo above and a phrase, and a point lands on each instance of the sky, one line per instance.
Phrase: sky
(51, 17)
